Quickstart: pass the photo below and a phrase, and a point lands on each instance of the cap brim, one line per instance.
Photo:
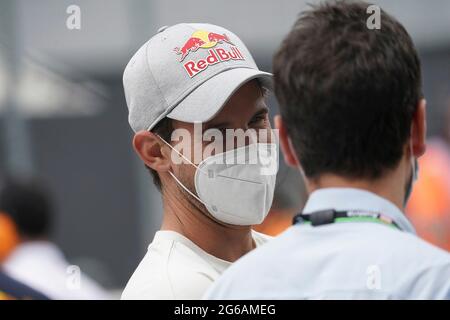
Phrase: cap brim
(209, 98)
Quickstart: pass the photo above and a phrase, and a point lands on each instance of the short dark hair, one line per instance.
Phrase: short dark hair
(28, 204)
(347, 93)
(164, 129)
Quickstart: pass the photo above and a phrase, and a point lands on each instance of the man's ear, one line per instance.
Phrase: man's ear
(419, 129)
(151, 150)
(285, 144)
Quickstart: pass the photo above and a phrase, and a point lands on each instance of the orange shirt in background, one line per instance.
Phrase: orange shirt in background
(429, 205)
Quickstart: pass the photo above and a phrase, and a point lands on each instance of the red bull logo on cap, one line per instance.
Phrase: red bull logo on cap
(207, 40)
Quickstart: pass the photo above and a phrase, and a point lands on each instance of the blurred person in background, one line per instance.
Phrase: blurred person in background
(429, 207)
(289, 198)
(26, 216)
(197, 74)
(11, 289)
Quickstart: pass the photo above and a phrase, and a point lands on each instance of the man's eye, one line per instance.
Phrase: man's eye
(258, 119)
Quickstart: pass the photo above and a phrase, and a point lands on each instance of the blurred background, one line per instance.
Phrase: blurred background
(63, 117)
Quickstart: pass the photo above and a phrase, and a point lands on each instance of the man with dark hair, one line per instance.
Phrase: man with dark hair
(353, 120)
(26, 217)
(186, 77)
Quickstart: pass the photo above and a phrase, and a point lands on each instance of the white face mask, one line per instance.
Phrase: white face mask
(237, 186)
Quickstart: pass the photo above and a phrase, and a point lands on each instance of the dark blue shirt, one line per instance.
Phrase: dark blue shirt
(13, 289)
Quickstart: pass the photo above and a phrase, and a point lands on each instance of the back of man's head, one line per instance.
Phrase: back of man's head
(347, 93)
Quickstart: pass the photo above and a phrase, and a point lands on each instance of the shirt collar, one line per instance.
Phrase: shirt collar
(354, 199)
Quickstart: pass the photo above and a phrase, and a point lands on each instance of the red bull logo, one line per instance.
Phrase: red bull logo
(207, 40)
(192, 44)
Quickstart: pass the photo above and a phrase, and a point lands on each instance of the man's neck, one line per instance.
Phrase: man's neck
(223, 241)
(387, 187)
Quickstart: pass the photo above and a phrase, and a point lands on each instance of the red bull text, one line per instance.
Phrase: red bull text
(207, 40)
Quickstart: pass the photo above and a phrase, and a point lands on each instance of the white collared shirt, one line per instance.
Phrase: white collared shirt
(346, 260)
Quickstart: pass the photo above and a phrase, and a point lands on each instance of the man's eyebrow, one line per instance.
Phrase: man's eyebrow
(262, 110)
(216, 125)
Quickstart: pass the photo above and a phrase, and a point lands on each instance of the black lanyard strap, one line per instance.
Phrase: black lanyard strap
(328, 216)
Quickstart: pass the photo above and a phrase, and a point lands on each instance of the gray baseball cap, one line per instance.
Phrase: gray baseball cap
(187, 72)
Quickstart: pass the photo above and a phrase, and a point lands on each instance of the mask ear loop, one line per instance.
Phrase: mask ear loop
(175, 178)
(414, 167)
(180, 154)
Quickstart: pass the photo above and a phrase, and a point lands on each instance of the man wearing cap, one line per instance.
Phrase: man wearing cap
(191, 76)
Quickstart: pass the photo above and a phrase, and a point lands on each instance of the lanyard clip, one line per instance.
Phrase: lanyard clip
(317, 218)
